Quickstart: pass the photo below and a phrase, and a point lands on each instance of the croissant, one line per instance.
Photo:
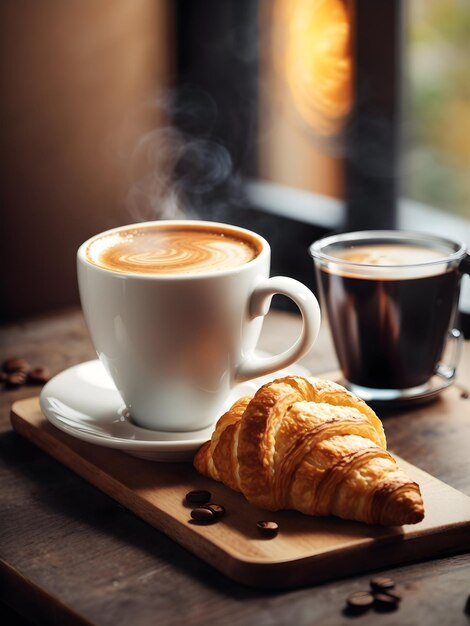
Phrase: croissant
(312, 446)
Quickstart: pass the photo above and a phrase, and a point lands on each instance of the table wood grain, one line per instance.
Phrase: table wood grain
(71, 555)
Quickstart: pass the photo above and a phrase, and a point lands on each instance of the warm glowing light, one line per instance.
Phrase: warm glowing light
(316, 60)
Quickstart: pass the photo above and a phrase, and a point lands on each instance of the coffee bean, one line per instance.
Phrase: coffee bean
(39, 375)
(467, 606)
(15, 364)
(267, 528)
(393, 594)
(360, 601)
(385, 602)
(217, 509)
(381, 583)
(198, 496)
(203, 515)
(16, 379)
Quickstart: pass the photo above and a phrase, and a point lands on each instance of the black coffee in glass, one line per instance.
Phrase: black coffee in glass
(390, 298)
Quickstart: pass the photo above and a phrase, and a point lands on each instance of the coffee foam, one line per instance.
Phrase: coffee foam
(172, 250)
(389, 261)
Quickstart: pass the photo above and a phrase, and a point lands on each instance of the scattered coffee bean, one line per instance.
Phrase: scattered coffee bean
(198, 496)
(39, 375)
(359, 601)
(267, 528)
(381, 597)
(203, 515)
(217, 509)
(467, 606)
(382, 583)
(17, 372)
(16, 379)
(16, 364)
(393, 594)
(464, 395)
(385, 602)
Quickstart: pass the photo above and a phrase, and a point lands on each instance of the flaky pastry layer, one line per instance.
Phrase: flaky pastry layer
(312, 446)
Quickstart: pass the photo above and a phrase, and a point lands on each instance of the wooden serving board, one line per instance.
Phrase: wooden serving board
(306, 550)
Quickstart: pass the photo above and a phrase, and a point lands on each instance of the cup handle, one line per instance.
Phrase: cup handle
(449, 369)
(465, 264)
(253, 366)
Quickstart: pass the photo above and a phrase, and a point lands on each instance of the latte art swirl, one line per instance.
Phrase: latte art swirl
(154, 250)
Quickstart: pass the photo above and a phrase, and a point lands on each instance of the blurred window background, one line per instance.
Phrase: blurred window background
(285, 116)
(437, 154)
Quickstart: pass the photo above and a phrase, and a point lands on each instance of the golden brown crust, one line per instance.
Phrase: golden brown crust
(218, 457)
(310, 445)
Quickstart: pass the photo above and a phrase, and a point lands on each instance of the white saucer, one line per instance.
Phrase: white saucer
(84, 403)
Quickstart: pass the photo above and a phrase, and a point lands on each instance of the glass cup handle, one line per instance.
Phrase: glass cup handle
(465, 264)
(455, 343)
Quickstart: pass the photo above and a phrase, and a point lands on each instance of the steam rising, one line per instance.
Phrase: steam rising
(179, 170)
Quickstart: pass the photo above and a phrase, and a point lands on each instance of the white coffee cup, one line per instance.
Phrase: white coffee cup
(176, 344)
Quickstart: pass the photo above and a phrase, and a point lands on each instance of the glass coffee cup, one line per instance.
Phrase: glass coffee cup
(391, 299)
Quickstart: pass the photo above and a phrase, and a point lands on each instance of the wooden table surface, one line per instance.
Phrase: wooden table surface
(69, 554)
